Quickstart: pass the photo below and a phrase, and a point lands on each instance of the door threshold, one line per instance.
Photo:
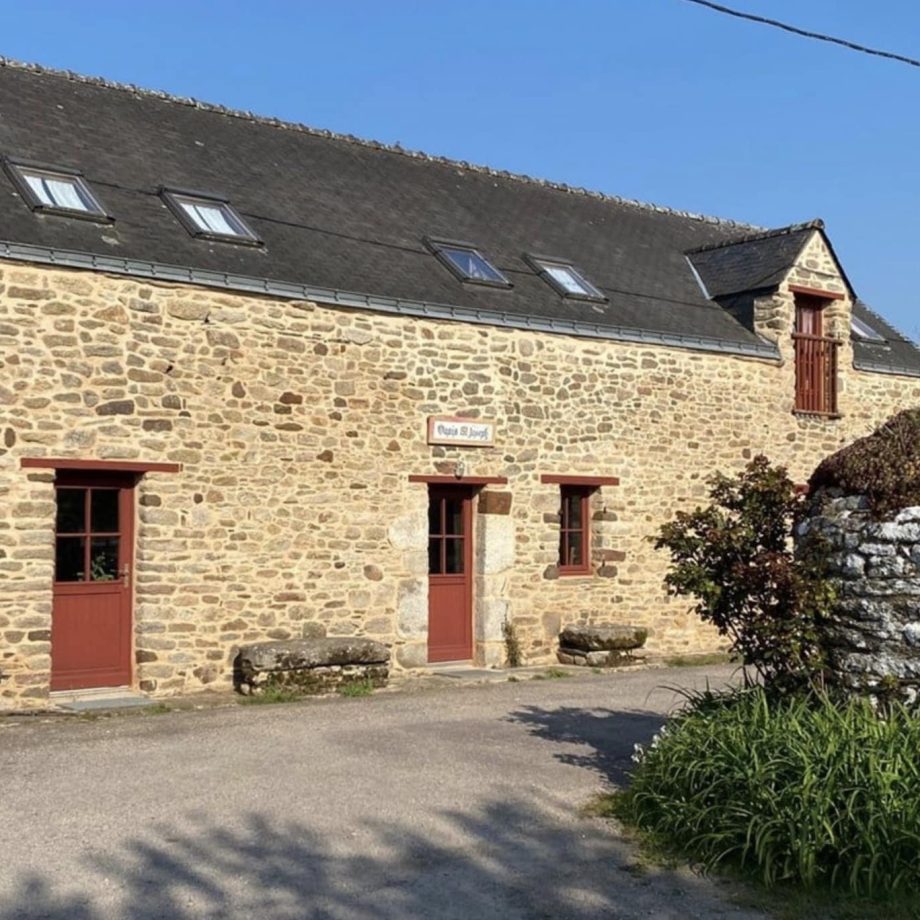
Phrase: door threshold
(98, 698)
(466, 670)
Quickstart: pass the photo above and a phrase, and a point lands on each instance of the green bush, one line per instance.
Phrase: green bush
(793, 789)
(735, 557)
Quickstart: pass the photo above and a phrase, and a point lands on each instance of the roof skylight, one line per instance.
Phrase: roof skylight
(565, 278)
(467, 263)
(55, 191)
(208, 217)
(862, 330)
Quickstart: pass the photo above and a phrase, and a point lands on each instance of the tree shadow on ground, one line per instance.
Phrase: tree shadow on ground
(602, 740)
(526, 854)
(507, 861)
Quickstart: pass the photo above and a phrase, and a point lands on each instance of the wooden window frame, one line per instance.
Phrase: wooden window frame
(98, 466)
(816, 360)
(583, 493)
(442, 495)
(585, 486)
(88, 533)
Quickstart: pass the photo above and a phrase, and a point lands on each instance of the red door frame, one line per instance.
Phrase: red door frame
(450, 596)
(112, 617)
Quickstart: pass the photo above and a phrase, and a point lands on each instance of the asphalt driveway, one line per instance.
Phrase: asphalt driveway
(453, 803)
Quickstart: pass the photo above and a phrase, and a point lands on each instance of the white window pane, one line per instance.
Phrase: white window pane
(209, 218)
(566, 279)
(37, 185)
(57, 191)
(865, 331)
(215, 219)
(64, 194)
(472, 265)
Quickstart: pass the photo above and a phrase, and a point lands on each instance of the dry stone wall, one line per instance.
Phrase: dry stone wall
(297, 426)
(873, 635)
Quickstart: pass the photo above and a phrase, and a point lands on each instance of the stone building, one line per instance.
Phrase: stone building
(256, 377)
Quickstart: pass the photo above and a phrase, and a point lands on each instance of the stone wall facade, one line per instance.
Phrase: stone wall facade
(873, 635)
(297, 426)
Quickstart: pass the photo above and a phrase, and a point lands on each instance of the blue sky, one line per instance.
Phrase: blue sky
(658, 100)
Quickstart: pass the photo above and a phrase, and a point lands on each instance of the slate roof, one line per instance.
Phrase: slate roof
(755, 263)
(897, 355)
(347, 215)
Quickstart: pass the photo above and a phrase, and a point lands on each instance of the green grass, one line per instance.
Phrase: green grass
(790, 903)
(157, 709)
(693, 661)
(782, 901)
(552, 674)
(357, 689)
(803, 792)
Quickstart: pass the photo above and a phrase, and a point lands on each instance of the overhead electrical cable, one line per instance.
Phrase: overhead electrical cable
(805, 33)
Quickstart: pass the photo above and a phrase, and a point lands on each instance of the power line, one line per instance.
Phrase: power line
(818, 36)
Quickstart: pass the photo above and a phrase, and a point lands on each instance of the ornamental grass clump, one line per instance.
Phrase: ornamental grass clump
(799, 789)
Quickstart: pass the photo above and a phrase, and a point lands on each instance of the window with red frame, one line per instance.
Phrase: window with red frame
(575, 530)
(815, 359)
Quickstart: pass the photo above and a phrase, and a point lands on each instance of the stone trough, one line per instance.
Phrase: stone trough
(311, 665)
(602, 646)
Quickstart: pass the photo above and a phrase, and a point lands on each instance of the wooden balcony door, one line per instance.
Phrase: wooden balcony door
(91, 623)
(450, 574)
(815, 359)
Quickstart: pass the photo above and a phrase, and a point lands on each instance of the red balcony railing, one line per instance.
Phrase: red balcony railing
(815, 373)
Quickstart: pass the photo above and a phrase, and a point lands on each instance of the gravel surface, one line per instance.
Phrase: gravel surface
(459, 802)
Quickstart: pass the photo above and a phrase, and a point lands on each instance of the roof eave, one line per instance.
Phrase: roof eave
(898, 370)
(157, 271)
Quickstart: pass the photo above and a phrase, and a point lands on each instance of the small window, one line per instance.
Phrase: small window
(467, 263)
(863, 330)
(565, 278)
(575, 530)
(209, 218)
(55, 191)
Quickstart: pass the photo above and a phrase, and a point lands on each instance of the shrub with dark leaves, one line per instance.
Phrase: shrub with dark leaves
(735, 557)
(884, 466)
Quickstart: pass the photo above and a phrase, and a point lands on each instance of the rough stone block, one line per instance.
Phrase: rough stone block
(311, 665)
(494, 502)
(412, 655)
(599, 659)
(607, 637)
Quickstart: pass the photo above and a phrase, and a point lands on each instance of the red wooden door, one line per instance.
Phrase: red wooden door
(450, 574)
(91, 617)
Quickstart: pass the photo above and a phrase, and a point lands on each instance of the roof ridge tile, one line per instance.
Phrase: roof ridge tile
(815, 224)
(275, 122)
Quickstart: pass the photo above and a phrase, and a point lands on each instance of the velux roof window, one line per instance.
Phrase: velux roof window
(209, 217)
(55, 191)
(863, 330)
(565, 278)
(467, 263)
